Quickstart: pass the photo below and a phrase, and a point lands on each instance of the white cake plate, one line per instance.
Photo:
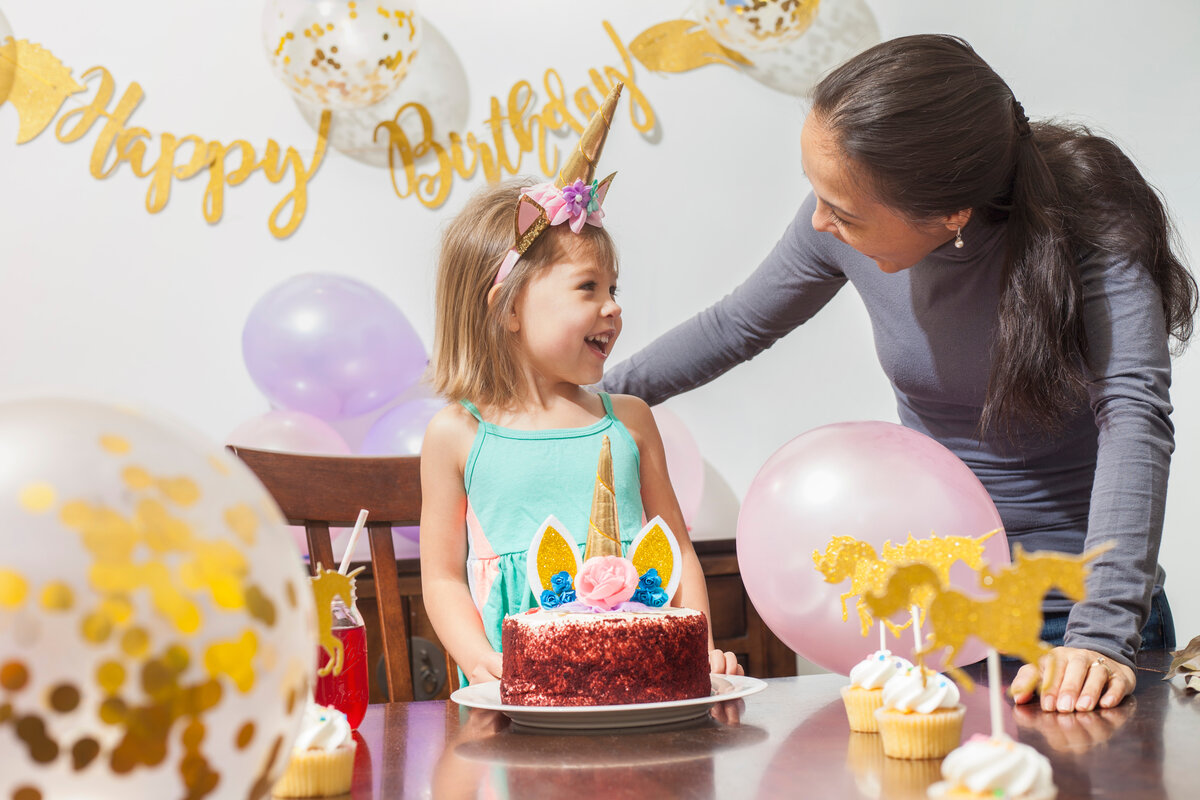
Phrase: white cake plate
(630, 715)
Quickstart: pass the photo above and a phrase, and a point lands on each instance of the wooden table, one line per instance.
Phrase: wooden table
(790, 740)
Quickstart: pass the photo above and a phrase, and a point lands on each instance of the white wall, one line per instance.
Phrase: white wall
(100, 298)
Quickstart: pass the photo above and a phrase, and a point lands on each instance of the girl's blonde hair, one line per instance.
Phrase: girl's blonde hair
(473, 357)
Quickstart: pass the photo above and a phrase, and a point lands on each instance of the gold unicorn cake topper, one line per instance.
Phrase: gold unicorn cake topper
(557, 576)
(1010, 621)
(847, 557)
(328, 584)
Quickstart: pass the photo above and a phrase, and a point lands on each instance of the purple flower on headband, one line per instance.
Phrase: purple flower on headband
(577, 197)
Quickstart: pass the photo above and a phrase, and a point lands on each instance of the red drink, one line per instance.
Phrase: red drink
(349, 691)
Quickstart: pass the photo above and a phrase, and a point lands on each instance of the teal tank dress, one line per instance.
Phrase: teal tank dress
(514, 479)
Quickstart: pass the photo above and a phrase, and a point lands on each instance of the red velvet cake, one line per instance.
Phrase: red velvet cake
(612, 658)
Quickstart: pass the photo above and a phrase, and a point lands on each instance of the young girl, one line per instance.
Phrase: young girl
(518, 338)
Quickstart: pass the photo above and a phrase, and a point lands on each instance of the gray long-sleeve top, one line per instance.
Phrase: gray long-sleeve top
(1103, 479)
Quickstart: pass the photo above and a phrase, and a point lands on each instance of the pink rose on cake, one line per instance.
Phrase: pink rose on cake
(606, 581)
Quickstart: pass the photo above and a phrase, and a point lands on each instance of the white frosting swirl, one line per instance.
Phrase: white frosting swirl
(989, 767)
(920, 690)
(876, 669)
(322, 728)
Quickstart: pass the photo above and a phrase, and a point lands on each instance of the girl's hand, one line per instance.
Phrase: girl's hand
(1073, 679)
(487, 670)
(721, 662)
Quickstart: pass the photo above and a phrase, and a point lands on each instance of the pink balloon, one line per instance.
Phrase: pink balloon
(685, 465)
(874, 481)
(291, 432)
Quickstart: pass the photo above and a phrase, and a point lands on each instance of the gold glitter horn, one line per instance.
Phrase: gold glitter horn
(603, 528)
(582, 163)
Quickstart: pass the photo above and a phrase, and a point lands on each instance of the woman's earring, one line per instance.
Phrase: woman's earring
(958, 242)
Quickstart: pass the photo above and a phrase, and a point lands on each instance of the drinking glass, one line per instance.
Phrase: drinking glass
(348, 691)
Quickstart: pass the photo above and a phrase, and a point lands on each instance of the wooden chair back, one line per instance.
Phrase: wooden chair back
(320, 491)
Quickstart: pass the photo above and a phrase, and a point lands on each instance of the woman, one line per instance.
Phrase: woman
(1021, 285)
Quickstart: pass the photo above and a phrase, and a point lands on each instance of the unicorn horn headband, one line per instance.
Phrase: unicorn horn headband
(574, 197)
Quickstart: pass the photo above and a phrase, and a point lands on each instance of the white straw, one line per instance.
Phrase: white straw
(916, 619)
(994, 692)
(358, 526)
(882, 637)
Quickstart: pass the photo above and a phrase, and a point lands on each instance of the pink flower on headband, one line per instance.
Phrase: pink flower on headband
(605, 581)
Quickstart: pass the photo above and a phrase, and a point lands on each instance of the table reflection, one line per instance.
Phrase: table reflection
(790, 740)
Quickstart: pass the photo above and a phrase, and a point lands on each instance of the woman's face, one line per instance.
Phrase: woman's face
(848, 212)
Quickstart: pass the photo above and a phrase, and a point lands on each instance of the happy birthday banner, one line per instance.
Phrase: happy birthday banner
(37, 84)
(41, 84)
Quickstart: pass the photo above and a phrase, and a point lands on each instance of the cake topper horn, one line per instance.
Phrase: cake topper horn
(603, 529)
(581, 165)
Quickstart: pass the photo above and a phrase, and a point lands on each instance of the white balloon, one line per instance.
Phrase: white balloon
(437, 81)
(157, 629)
(341, 54)
(841, 29)
(750, 26)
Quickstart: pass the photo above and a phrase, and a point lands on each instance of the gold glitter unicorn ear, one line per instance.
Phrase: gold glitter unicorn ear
(551, 553)
(655, 547)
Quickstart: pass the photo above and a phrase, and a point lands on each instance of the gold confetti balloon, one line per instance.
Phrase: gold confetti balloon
(751, 26)
(157, 631)
(341, 54)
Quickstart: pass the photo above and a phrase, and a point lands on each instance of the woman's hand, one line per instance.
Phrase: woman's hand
(1073, 679)
(722, 662)
(487, 669)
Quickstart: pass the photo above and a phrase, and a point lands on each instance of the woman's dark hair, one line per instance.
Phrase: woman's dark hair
(935, 130)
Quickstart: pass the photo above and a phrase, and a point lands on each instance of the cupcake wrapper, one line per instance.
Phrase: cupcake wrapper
(317, 773)
(860, 707)
(920, 735)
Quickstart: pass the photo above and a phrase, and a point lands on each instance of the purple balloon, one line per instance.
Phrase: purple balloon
(330, 346)
(401, 430)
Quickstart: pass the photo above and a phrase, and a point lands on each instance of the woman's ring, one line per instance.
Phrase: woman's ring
(1099, 662)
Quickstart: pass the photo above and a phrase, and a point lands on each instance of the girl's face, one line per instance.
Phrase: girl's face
(566, 320)
(850, 214)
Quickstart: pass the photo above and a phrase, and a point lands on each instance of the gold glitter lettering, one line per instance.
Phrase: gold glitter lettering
(118, 142)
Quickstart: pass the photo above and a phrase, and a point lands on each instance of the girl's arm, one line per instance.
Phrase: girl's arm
(444, 546)
(658, 499)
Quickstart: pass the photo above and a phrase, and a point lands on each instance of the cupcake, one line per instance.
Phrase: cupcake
(865, 692)
(322, 762)
(994, 768)
(920, 716)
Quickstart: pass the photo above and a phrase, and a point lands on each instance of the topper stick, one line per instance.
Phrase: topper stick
(882, 637)
(916, 626)
(993, 660)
